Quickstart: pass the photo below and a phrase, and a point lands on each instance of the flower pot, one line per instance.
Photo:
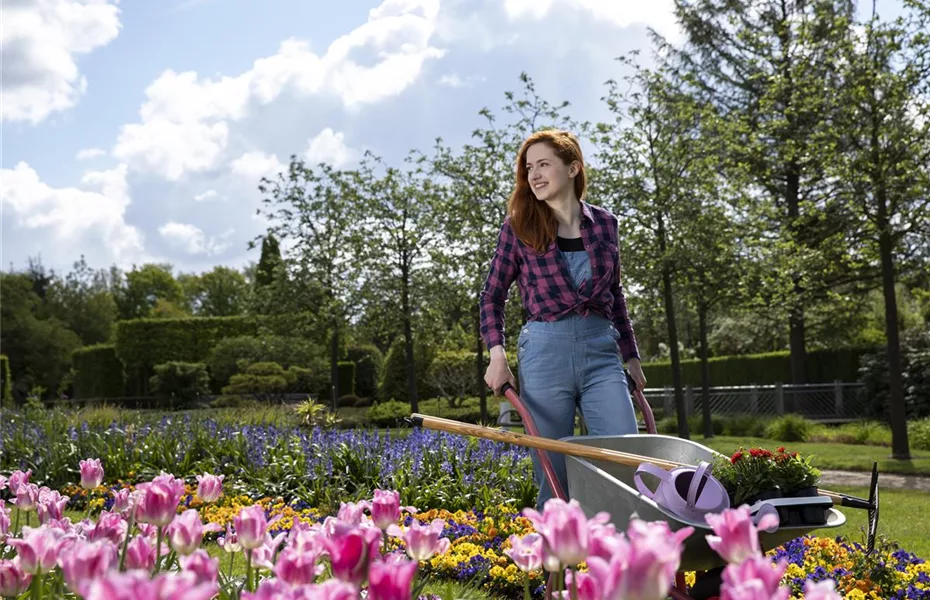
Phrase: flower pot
(810, 515)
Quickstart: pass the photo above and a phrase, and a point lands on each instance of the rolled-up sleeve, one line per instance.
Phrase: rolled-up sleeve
(501, 274)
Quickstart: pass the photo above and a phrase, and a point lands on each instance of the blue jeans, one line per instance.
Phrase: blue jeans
(567, 363)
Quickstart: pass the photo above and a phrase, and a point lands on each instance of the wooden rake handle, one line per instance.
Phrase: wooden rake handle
(581, 450)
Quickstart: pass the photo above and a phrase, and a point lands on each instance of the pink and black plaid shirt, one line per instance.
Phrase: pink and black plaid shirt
(545, 282)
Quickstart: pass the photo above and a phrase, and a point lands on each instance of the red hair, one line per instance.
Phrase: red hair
(532, 221)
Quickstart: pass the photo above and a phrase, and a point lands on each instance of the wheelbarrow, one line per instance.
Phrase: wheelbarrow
(601, 470)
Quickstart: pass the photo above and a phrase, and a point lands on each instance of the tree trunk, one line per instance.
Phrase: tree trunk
(705, 371)
(479, 366)
(796, 311)
(896, 413)
(669, 299)
(334, 363)
(408, 343)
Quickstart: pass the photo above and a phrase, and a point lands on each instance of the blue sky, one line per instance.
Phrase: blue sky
(138, 131)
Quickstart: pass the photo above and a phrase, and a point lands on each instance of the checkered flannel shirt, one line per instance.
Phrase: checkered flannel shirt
(545, 282)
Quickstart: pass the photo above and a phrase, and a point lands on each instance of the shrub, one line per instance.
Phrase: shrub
(918, 433)
(347, 400)
(179, 384)
(743, 425)
(394, 375)
(388, 414)
(266, 382)
(224, 358)
(368, 361)
(98, 372)
(346, 377)
(6, 382)
(915, 364)
(364, 402)
(789, 428)
(453, 375)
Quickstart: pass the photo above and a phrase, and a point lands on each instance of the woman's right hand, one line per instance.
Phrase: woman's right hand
(498, 373)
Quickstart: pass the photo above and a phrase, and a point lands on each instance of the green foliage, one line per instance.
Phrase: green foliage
(918, 433)
(346, 377)
(393, 412)
(313, 414)
(745, 425)
(368, 361)
(6, 382)
(269, 261)
(453, 375)
(179, 384)
(394, 374)
(915, 359)
(98, 372)
(789, 428)
(287, 351)
(347, 401)
(146, 288)
(823, 366)
(267, 382)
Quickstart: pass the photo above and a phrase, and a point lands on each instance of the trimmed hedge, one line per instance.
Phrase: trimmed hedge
(823, 366)
(368, 361)
(346, 377)
(98, 372)
(6, 382)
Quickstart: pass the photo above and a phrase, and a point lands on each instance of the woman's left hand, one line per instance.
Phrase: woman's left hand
(636, 372)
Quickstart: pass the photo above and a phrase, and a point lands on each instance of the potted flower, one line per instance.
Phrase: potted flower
(748, 476)
(795, 475)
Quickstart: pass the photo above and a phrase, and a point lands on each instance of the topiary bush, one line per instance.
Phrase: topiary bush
(394, 375)
(179, 385)
(6, 382)
(98, 372)
(224, 359)
(369, 361)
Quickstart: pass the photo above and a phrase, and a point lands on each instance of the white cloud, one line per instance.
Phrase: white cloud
(255, 165)
(38, 43)
(184, 124)
(89, 153)
(329, 147)
(193, 240)
(453, 80)
(205, 196)
(93, 214)
(658, 14)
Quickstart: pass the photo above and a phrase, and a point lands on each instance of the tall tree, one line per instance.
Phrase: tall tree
(143, 288)
(657, 165)
(396, 212)
(478, 180)
(83, 302)
(269, 261)
(308, 207)
(221, 292)
(887, 165)
(770, 67)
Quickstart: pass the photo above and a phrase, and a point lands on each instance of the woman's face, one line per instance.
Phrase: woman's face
(547, 175)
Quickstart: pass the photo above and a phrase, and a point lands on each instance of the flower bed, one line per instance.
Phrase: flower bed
(292, 546)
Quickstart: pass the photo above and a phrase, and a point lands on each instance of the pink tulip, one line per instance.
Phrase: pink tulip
(209, 487)
(297, 568)
(229, 542)
(654, 558)
(350, 549)
(391, 579)
(526, 552)
(86, 561)
(185, 533)
(159, 503)
(263, 556)
(422, 541)
(38, 549)
(91, 473)
(587, 587)
(176, 485)
(51, 505)
(275, 589)
(201, 564)
(17, 478)
(822, 590)
(564, 529)
(136, 585)
(3, 481)
(756, 578)
(4, 520)
(736, 537)
(385, 508)
(27, 496)
(605, 541)
(109, 526)
(251, 525)
(352, 513)
(13, 579)
(140, 553)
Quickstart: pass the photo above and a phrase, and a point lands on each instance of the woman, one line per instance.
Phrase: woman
(562, 252)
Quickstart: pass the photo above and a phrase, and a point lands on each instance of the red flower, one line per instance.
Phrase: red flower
(736, 456)
(781, 449)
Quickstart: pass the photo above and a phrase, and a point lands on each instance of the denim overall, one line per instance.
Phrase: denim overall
(574, 361)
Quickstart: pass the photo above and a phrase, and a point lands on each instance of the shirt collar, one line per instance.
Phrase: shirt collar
(586, 211)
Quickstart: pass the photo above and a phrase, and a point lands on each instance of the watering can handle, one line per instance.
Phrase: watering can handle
(662, 474)
(699, 475)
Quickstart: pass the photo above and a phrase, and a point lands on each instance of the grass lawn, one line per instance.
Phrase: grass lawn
(841, 457)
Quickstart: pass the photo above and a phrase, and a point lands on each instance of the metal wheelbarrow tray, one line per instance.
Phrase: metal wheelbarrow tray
(600, 485)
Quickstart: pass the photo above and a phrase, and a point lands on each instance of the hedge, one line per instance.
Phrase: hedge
(368, 361)
(346, 377)
(6, 383)
(823, 366)
(143, 343)
(98, 372)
